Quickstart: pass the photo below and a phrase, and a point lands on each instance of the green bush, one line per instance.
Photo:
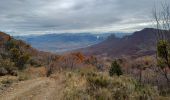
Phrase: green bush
(98, 81)
(162, 49)
(19, 58)
(11, 44)
(23, 59)
(115, 69)
(15, 54)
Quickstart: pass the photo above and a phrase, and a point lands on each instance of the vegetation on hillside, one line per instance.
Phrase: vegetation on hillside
(100, 86)
(17, 55)
(145, 77)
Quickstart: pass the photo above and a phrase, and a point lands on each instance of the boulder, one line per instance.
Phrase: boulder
(3, 71)
(14, 73)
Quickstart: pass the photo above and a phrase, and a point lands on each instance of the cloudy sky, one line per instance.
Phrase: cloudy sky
(48, 16)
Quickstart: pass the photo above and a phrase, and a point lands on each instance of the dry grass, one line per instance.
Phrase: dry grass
(94, 85)
(37, 72)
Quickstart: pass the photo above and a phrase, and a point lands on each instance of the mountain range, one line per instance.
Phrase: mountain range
(139, 43)
(59, 43)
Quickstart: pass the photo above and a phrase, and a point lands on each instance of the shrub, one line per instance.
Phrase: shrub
(7, 67)
(98, 81)
(23, 76)
(15, 54)
(99, 86)
(19, 58)
(103, 94)
(7, 82)
(23, 59)
(6, 63)
(115, 69)
(163, 52)
(162, 49)
(35, 62)
(74, 87)
(11, 44)
(88, 70)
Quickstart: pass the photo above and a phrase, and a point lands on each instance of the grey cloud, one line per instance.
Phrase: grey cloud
(32, 16)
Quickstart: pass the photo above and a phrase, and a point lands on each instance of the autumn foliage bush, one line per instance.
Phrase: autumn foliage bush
(13, 57)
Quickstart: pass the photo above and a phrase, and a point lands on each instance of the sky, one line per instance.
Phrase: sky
(23, 17)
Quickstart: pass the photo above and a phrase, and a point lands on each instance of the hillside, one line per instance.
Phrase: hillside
(26, 73)
(17, 55)
(7, 40)
(140, 43)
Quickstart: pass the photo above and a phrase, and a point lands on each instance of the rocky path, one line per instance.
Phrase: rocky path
(36, 89)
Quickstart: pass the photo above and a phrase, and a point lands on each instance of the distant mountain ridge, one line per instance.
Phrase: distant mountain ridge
(61, 42)
(64, 42)
(138, 44)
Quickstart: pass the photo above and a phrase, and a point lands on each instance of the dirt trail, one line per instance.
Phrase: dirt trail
(37, 89)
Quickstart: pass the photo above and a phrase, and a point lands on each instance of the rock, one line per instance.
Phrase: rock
(3, 71)
(14, 72)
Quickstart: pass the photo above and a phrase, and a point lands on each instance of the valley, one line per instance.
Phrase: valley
(59, 43)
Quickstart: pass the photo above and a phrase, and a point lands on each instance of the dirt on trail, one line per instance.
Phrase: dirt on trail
(36, 89)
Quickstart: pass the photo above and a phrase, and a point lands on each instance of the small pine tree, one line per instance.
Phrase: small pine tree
(115, 69)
